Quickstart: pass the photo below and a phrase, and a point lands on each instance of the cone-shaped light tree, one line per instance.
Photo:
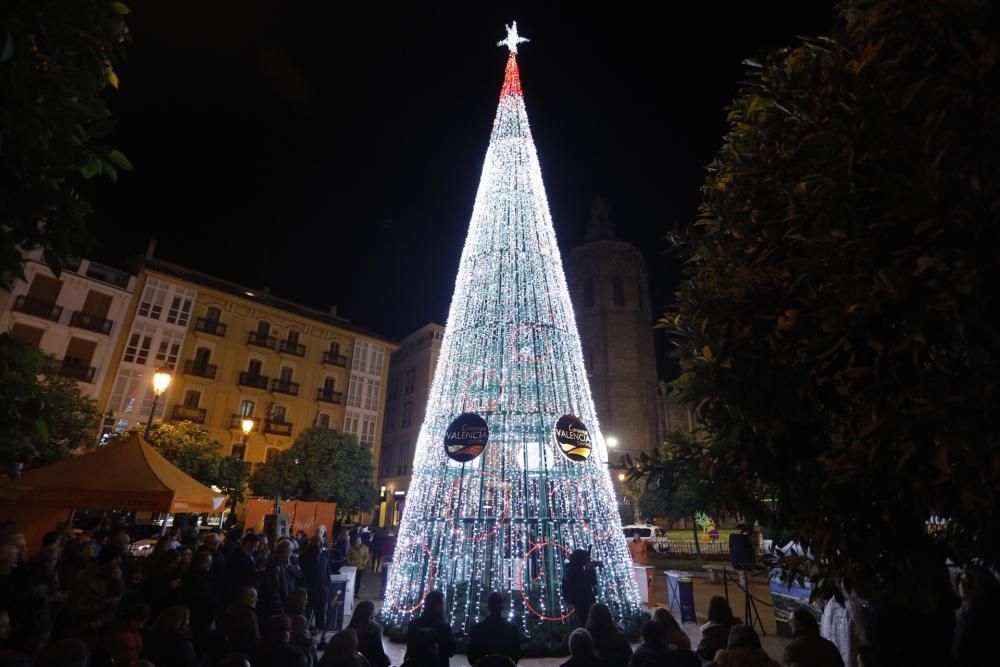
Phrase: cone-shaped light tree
(510, 472)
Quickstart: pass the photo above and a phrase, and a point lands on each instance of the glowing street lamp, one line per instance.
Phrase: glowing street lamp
(612, 442)
(247, 426)
(161, 380)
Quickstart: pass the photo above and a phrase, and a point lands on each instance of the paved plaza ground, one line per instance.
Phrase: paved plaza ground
(703, 591)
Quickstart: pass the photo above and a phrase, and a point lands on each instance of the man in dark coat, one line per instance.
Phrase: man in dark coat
(241, 569)
(281, 578)
(579, 579)
(433, 619)
(494, 635)
(315, 564)
(239, 622)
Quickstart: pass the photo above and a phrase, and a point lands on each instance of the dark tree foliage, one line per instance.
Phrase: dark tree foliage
(837, 318)
(321, 465)
(56, 59)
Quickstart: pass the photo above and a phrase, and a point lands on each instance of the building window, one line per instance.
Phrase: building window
(375, 365)
(367, 429)
(393, 389)
(351, 424)
(286, 374)
(410, 383)
(170, 346)
(588, 292)
(402, 456)
(263, 329)
(293, 337)
(618, 291)
(323, 420)
(192, 398)
(27, 335)
(386, 462)
(271, 454)
(278, 414)
(371, 395)
(213, 314)
(153, 297)
(254, 367)
(239, 451)
(389, 422)
(180, 310)
(360, 361)
(137, 348)
(354, 392)
(329, 385)
(407, 415)
(246, 408)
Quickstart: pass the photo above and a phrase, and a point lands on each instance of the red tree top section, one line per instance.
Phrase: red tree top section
(511, 78)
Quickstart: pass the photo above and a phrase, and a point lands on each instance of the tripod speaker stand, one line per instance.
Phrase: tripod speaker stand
(741, 553)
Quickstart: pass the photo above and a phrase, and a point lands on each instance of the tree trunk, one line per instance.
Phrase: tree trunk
(694, 529)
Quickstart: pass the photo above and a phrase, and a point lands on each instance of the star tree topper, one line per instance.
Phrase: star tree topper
(513, 39)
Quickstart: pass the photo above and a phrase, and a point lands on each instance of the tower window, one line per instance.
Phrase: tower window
(588, 293)
(618, 290)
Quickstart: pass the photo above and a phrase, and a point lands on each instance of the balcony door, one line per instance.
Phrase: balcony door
(97, 305)
(202, 356)
(254, 368)
(45, 289)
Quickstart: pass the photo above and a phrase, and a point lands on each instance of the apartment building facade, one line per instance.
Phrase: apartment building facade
(411, 372)
(237, 353)
(76, 317)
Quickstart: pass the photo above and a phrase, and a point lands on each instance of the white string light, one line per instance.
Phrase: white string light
(506, 520)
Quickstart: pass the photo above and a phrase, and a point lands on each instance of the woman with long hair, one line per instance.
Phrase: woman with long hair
(612, 647)
(369, 634)
(169, 642)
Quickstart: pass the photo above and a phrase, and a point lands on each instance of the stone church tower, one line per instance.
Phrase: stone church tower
(610, 293)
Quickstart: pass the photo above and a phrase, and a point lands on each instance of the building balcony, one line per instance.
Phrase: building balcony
(329, 396)
(236, 422)
(38, 308)
(275, 427)
(91, 322)
(201, 369)
(260, 340)
(285, 387)
(184, 413)
(252, 380)
(214, 327)
(78, 369)
(289, 347)
(335, 359)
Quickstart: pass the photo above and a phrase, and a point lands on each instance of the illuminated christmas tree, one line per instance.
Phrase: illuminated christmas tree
(510, 472)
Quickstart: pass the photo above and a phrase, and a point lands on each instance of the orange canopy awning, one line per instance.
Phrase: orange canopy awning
(127, 475)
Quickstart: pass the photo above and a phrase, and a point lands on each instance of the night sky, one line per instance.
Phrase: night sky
(331, 152)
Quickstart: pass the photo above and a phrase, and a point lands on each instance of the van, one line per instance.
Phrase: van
(647, 532)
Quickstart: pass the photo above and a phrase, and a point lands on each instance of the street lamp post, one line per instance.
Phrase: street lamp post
(247, 426)
(161, 380)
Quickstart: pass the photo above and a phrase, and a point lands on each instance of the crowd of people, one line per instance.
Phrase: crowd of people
(198, 599)
(201, 599)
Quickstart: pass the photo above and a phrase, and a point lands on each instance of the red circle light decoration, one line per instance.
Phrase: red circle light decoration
(538, 547)
(428, 587)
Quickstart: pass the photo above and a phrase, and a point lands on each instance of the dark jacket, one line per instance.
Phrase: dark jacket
(813, 651)
(446, 639)
(713, 637)
(370, 643)
(170, 649)
(239, 623)
(280, 579)
(494, 636)
(651, 655)
(578, 586)
(581, 662)
(241, 570)
(612, 648)
(278, 655)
